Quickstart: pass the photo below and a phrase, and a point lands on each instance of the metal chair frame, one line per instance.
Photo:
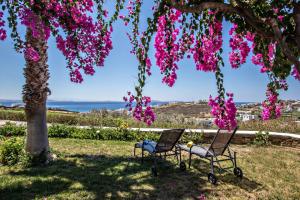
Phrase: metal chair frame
(213, 157)
(158, 151)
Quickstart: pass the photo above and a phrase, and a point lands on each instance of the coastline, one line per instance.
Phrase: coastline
(89, 106)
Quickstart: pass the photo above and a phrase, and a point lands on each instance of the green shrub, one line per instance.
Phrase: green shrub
(11, 129)
(261, 138)
(196, 137)
(122, 133)
(14, 115)
(60, 131)
(11, 151)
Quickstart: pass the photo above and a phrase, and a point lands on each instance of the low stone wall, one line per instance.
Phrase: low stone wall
(283, 140)
(243, 137)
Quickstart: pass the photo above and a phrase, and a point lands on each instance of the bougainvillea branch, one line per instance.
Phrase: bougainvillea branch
(142, 110)
(194, 28)
(262, 25)
(83, 41)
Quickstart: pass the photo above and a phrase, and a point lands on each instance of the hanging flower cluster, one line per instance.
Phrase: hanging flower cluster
(271, 106)
(205, 52)
(34, 23)
(138, 104)
(93, 45)
(167, 46)
(240, 51)
(224, 111)
(266, 66)
(2, 30)
(239, 46)
(85, 42)
(296, 73)
(146, 115)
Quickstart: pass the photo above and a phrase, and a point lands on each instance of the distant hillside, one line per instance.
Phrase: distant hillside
(186, 109)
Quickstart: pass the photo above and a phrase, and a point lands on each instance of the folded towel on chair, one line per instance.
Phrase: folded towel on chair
(147, 145)
(198, 150)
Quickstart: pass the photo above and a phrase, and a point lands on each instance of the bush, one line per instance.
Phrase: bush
(11, 129)
(11, 151)
(261, 138)
(14, 115)
(61, 131)
(121, 133)
(196, 137)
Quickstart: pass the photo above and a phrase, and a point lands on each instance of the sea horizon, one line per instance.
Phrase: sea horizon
(88, 106)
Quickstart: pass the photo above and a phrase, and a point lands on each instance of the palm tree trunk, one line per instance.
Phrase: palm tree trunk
(35, 92)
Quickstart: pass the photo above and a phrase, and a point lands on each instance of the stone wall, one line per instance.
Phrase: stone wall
(241, 137)
(276, 139)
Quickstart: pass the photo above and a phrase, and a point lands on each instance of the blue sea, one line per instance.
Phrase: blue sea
(77, 106)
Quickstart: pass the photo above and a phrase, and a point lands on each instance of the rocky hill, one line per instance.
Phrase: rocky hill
(186, 109)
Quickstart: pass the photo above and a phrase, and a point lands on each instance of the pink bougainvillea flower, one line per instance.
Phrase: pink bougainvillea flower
(296, 73)
(205, 49)
(272, 106)
(239, 46)
(225, 115)
(167, 46)
(2, 30)
(31, 54)
(141, 111)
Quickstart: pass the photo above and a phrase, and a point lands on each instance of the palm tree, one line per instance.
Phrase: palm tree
(35, 92)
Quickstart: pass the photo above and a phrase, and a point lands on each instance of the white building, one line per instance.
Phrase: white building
(246, 116)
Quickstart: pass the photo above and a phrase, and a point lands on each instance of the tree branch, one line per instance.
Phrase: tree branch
(256, 23)
(287, 52)
(251, 19)
(297, 21)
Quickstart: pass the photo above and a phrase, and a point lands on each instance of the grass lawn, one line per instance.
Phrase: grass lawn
(90, 169)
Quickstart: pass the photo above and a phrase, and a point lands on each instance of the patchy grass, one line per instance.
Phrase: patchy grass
(90, 169)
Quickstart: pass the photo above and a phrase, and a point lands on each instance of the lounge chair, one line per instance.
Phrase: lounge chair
(213, 152)
(165, 144)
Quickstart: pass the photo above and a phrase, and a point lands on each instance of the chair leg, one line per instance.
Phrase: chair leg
(142, 155)
(212, 165)
(234, 159)
(190, 159)
(154, 168)
(176, 154)
(180, 155)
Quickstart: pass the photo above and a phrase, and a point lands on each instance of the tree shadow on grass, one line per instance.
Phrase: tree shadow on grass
(107, 177)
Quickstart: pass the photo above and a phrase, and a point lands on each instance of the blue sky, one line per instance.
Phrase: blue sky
(120, 71)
